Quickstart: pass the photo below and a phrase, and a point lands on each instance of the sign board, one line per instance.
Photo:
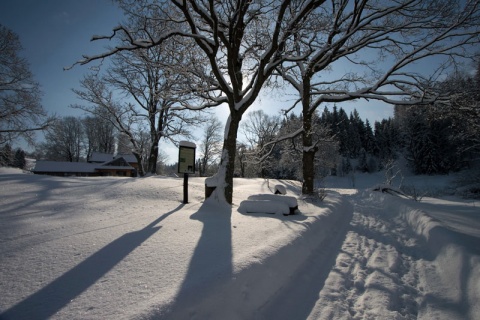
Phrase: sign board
(186, 157)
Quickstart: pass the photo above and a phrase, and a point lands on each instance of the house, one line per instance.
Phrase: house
(100, 157)
(102, 165)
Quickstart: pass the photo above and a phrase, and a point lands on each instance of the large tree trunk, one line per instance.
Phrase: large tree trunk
(140, 171)
(309, 150)
(223, 179)
(230, 146)
(152, 159)
(308, 156)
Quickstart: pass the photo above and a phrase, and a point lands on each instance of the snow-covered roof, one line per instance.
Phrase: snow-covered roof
(83, 167)
(101, 157)
(63, 166)
(117, 163)
(130, 158)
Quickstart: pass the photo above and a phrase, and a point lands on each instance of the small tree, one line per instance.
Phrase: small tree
(6, 155)
(64, 140)
(99, 135)
(19, 159)
(210, 145)
(259, 129)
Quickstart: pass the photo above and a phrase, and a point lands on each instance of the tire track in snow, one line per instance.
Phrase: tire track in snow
(375, 275)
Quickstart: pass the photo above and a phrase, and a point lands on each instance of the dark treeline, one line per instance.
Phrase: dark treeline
(10, 157)
(434, 138)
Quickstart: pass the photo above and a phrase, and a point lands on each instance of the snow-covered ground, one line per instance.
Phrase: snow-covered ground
(127, 248)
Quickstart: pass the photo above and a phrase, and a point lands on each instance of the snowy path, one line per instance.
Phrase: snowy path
(385, 270)
(375, 274)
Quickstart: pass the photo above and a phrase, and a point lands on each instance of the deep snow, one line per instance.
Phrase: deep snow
(127, 248)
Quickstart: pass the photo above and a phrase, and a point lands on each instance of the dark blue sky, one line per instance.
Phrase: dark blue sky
(55, 34)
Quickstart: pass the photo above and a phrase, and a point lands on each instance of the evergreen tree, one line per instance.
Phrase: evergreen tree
(358, 133)
(343, 133)
(6, 155)
(429, 145)
(387, 139)
(369, 140)
(346, 165)
(362, 161)
(19, 159)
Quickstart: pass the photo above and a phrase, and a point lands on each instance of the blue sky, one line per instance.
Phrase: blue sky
(56, 33)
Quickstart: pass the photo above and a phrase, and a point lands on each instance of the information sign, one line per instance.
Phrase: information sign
(186, 157)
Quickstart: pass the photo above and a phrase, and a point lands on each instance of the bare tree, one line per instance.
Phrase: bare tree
(242, 40)
(211, 144)
(245, 41)
(119, 114)
(380, 42)
(64, 140)
(259, 129)
(161, 161)
(21, 113)
(241, 160)
(149, 96)
(99, 135)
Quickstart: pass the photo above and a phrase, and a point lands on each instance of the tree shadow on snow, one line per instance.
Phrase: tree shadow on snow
(297, 298)
(211, 263)
(56, 295)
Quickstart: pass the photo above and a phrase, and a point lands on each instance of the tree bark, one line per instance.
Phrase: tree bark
(230, 147)
(308, 155)
(152, 160)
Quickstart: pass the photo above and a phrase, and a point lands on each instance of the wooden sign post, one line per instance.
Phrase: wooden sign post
(186, 164)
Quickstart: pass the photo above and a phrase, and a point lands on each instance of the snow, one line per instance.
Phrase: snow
(128, 248)
(188, 144)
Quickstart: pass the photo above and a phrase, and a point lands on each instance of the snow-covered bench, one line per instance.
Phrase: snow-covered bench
(270, 203)
(264, 206)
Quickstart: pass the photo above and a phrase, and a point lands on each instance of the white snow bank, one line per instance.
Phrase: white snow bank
(453, 246)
